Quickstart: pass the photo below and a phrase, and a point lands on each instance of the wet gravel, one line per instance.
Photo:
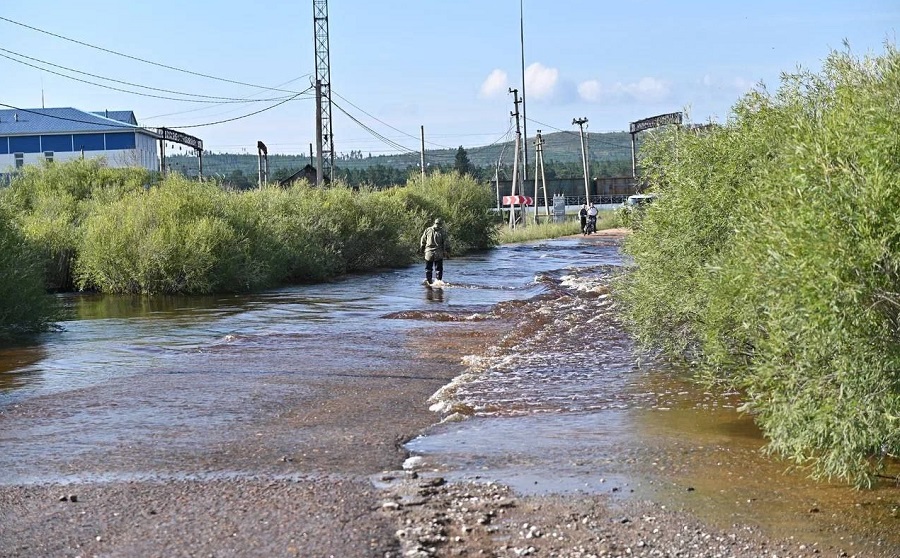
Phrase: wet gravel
(390, 514)
(467, 519)
(301, 517)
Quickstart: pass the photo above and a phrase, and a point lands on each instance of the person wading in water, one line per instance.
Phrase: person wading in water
(435, 244)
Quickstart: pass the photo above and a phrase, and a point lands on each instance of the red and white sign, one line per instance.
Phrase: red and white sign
(518, 200)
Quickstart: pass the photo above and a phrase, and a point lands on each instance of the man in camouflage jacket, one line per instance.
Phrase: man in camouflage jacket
(435, 244)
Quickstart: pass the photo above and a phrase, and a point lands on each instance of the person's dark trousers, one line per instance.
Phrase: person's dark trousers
(583, 223)
(437, 266)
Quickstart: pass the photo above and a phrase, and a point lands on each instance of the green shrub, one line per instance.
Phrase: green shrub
(50, 201)
(463, 203)
(174, 238)
(114, 233)
(772, 260)
(25, 306)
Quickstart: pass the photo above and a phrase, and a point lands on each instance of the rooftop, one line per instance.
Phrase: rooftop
(20, 122)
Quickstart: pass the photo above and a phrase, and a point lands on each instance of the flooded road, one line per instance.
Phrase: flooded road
(535, 386)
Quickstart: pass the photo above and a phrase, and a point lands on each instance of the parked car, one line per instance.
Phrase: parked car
(639, 200)
(632, 210)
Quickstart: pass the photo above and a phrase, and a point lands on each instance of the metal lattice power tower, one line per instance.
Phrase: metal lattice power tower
(324, 137)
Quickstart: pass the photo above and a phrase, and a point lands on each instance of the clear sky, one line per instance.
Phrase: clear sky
(397, 65)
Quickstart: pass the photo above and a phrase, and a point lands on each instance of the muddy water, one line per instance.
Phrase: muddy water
(551, 396)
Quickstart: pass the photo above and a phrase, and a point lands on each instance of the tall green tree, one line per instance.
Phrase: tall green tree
(462, 165)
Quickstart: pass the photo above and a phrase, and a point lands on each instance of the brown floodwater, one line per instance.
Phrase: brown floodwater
(551, 396)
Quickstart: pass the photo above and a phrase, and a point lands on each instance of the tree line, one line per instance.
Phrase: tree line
(383, 175)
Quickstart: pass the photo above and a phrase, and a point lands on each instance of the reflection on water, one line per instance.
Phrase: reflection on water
(17, 364)
(553, 398)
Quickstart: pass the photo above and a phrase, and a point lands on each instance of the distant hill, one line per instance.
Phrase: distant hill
(560, 147)
(564, 147)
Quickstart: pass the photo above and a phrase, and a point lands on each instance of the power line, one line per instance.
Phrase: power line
(593, 139)
(245, 115)
(130, 127)
(207, 107)
(373, 132)
(141, 59)
(385, 123)
(212, 99)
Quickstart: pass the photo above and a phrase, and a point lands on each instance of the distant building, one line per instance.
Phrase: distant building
(60, 134)
(307, 173)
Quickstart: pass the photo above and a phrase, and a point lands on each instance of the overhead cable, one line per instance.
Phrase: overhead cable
(373, 132)
(141, 59)
(212, 99)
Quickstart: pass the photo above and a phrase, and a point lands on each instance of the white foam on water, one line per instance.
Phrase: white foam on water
(561, 354)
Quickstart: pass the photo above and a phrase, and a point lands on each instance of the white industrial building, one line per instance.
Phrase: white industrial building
(29, 136)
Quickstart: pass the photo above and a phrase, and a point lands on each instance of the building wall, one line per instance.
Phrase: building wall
(120, 149)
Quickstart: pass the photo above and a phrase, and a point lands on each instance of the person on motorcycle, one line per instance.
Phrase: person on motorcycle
(592, 220)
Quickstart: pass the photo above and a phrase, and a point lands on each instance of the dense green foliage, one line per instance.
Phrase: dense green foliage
(25, 306)
(50, 201)
(772, 260)
(111, 233)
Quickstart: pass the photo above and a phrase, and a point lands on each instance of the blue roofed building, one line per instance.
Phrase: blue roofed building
(29, 136)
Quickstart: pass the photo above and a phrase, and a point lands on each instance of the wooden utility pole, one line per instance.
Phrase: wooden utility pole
(422, 162)
(580, 122)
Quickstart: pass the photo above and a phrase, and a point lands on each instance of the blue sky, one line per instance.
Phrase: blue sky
(397, 65)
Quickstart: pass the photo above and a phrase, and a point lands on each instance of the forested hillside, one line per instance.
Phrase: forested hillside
(610, 155)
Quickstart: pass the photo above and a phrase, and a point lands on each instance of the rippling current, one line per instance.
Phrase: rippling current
(556, 400)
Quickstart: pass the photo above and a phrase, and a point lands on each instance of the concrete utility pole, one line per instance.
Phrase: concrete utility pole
(516, 101)
(263, 161)
(518, 153)
(524, 117)
(539, 170)
(580, 122)
(515, 180)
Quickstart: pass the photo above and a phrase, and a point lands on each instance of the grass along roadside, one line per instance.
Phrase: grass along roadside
(506, 235)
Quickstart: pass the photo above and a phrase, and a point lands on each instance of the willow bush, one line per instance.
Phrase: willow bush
(772, 261)
(49, 202)
(108, 230)
(462, 202)
(25, 307)
(173, 238)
